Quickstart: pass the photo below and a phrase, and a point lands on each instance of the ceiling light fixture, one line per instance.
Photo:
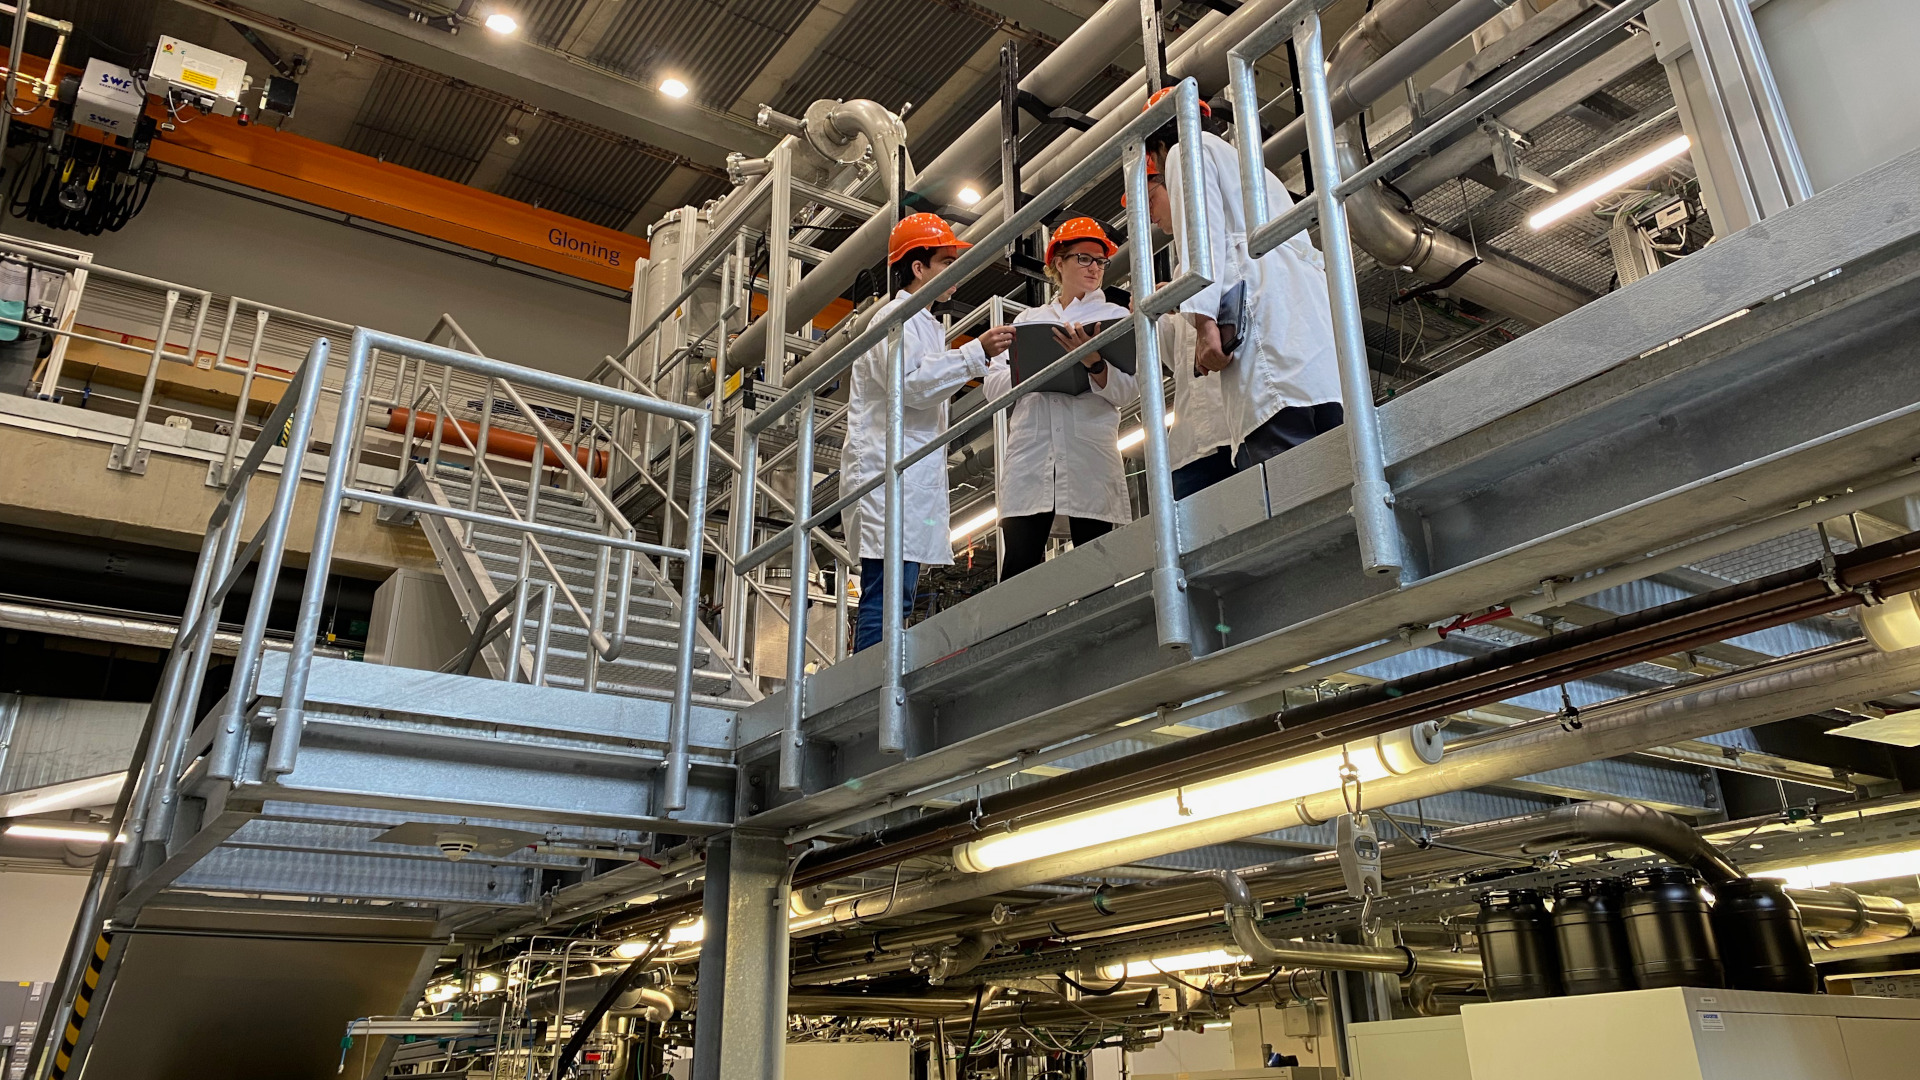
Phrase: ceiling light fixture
(487, 984)
(969, 195)
(1140, 969)
(1846, 871)
(1283, 781)
(1137, 436)
(687, 933)
(1611, 182)
(630, 949)
(673, 88)
(974, 524)
(73, 834)
(502, 23)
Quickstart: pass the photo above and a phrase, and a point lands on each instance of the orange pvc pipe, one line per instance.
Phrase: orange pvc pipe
(510, 444)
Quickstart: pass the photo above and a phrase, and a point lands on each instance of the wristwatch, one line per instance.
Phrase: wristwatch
(1097, 366)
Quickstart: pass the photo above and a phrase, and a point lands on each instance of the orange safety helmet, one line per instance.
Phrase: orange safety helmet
(921, 231)
(1080, 228)
(1154, 99)
(1152, 171)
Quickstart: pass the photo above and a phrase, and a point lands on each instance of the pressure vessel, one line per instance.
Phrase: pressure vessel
(1516, 945)
(1763, 945)
(1669, 932)
(1589, 927)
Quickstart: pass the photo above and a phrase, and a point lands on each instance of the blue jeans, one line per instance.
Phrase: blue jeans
(866, 624)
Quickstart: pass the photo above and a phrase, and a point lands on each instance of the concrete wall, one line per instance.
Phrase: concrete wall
(236, 245)
(37, 909)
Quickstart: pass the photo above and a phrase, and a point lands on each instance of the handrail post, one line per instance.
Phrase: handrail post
(246, 391)
(1172, 616)
(445, 397)
(479, 457)
(284, 749)
(680, 719)
(893, 695)
(792, 742)
(543, 637)
(1381, 548)
(129, 457)
(231, 734)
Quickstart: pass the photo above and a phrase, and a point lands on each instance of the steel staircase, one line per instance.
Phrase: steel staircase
(483, 568)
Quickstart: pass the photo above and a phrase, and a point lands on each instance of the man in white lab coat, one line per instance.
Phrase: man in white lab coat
(1197, 435)
(1280, 381)
(920, 247)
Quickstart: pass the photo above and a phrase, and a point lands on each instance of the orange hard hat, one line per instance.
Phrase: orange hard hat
(1080, 228)
(921, 231)
(1154, 99)
(1152, 171)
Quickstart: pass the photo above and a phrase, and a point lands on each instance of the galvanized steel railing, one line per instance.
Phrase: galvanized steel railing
(1171, 614)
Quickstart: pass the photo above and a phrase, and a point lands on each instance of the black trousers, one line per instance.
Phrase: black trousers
(1023, 539)
(1283, 431)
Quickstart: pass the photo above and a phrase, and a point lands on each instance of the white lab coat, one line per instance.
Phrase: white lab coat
(1063, 450)
(933, 373)
(1286, 356)
(1199, 409)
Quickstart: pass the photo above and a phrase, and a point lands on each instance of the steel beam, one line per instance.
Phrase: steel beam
(754, 1012)
(547, 79)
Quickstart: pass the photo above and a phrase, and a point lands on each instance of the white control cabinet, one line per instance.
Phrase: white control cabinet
(1686, 1034)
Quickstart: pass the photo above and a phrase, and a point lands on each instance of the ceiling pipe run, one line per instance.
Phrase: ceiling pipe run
(1079, 58)
(1243, 911)
(123, 630)
(1791, 687)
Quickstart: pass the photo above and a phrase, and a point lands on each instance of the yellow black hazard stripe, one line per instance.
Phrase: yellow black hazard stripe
(82, 1001)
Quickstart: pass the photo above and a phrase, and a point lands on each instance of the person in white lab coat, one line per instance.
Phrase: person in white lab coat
(1197, 435)
(920, 246)
(1280, 381)
(1063, 450)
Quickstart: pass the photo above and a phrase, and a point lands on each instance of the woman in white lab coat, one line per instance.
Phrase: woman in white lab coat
(919, 248)
(1281, 382)
(1062, 454)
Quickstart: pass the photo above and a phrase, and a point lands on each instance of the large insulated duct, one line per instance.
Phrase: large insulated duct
(1401, 36)
(1398, 960)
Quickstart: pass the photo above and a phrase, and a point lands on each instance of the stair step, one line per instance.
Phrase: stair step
(652, 693)
(504, 580)
(631, 663)
(662, 649)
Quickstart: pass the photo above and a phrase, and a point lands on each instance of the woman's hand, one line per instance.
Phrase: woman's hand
(1072, 336)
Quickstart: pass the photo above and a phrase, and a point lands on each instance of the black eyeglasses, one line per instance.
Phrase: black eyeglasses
(1085, 260)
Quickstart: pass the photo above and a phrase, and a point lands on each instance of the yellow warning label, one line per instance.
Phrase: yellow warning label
(733, 383)
(199, 78)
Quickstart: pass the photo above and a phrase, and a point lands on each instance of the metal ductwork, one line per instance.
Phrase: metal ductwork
(124, 630)
(1654, 830)
(1399, 37)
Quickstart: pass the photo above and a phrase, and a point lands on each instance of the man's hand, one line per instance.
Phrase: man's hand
(996, 339)
(1207, 353)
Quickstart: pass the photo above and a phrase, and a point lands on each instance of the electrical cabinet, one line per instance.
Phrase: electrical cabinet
(1689, 1034)
(416, 623)
(1426, 1047)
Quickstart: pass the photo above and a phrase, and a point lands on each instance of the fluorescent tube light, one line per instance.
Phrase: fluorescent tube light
(1284, 781)
(974, 524)
(1158, 965)
(1137, 436)
(73, 834)
(1613, 181)
(1845, 871)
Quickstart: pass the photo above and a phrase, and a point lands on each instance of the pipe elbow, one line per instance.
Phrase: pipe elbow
(1641, 826)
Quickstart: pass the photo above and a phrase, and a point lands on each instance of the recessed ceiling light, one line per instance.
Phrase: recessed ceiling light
(502, 23)
(673, 88)
(969, 195)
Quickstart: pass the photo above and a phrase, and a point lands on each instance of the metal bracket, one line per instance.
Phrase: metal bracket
(118, 461)
(1507, 146)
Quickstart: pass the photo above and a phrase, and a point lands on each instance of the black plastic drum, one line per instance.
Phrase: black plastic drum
(1669, 932)
(1592, 934)
(1762, 944)
(1517, 949)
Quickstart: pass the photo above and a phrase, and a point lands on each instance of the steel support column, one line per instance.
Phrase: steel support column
(753, 1012)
